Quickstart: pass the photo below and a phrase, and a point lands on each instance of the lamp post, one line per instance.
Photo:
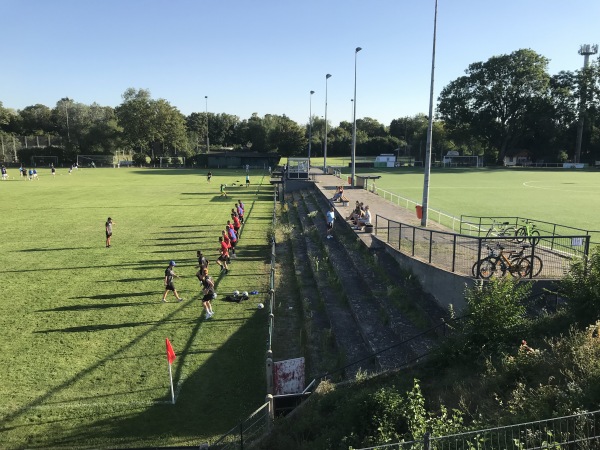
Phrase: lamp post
(310, 127)
(207, 140)
(429, 131)
(327, 77)
(352, 173)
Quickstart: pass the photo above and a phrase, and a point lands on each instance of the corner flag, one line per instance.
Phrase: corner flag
(170, 352)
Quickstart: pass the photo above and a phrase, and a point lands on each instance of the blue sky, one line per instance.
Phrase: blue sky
(266, 56)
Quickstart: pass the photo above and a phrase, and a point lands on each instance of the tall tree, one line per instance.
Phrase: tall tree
(493, 99)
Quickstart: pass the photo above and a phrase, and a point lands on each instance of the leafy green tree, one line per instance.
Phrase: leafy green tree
(135, 116)
(371, 127)
(287, 137)
(494, 98)
(253, 132)
(4, 115)
(37, 120)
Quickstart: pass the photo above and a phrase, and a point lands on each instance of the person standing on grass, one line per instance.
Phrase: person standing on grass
(169, 285)
(53, 169)
(208, 289)
(236, 224)
(232, 238)
(247, 180)
(209, 176)
(4, 173)
(224, 256)
(223, 193)
(240, 210)
(330, 217)
(108, 228)
(202, 261)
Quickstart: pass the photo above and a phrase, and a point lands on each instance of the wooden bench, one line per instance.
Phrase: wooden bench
(344, 200)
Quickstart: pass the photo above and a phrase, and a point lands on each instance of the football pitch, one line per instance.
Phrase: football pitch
(566, 197)
(83, 349)
(83, 360)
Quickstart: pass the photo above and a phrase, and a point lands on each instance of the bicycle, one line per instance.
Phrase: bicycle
(500, 230)
(527, 231)
(510, 261)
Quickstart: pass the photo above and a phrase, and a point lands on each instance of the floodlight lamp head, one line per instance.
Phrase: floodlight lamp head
(328, 76)
(312, 92)
(358, 49)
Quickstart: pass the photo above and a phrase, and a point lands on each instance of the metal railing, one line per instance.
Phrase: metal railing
(460, 253)
(580, 431)
(248, 432)
(440, 217)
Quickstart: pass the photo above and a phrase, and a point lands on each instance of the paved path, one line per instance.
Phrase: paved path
(327, 185)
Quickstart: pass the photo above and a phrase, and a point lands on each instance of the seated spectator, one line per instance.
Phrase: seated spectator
(365, 219)
(357, 213)
(339, 193)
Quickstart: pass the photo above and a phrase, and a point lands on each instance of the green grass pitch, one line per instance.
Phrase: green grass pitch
(83, 361)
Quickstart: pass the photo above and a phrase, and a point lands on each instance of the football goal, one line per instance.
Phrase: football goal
(44, 161)
(172, 161)
(95, 161)
(462, 161)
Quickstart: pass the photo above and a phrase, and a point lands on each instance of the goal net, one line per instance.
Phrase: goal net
(95, 161)
(462, 161)
(172, 161)
(44, 161)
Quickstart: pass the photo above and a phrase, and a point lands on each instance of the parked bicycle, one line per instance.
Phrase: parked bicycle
(527, 231)
(499, 262)
(504, 229)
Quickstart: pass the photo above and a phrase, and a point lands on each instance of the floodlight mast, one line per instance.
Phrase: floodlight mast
(586, 50)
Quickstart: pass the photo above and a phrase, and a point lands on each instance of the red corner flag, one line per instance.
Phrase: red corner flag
(170, 352)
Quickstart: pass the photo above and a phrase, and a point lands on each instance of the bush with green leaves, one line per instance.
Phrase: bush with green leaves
(582, 287)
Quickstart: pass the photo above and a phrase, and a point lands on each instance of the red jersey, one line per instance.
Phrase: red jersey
(236, 222)
(224, 248)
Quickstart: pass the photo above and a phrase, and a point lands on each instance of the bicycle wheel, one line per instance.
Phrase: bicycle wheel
(521, 268)
(487, 267)
(536, 265)
(534, 237)
(508, 232)
(520, 235)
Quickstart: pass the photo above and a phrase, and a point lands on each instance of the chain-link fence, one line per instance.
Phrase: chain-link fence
(580, 431)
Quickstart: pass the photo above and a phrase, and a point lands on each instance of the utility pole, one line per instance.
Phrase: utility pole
(586, 50)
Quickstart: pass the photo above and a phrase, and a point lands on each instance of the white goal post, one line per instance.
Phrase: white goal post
(462, 161)
(172, 161)
(44, 161)
(96, 161)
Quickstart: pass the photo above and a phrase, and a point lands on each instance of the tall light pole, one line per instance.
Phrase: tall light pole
(327, 77)
(585, 50)
(310, 126)
(353, 171)
(207, 140)
(429, 130)
(67, 100)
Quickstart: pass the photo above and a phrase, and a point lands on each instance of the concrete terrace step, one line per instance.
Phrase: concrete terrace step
(369, 316)
(348, 339)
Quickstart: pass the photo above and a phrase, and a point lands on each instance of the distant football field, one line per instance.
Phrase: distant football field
(83, 360)
(567, 197)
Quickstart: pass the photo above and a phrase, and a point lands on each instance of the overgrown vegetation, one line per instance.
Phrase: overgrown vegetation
(498, 366)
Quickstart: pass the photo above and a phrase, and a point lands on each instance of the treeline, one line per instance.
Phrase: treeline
(507, 105)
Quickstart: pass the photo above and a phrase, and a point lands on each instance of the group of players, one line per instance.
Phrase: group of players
(228, 240)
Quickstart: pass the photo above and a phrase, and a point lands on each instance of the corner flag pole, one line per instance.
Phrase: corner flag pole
(170, 358)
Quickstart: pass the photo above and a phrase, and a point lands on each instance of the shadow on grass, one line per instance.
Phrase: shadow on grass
(111, 296)
(28, 250)
(210, 401)
(89, 307)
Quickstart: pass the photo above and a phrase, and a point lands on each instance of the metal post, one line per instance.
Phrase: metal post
(353, 170)
(585, 50)
(327, 77)
(207, 140)
(310, 127)
(425, 202)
